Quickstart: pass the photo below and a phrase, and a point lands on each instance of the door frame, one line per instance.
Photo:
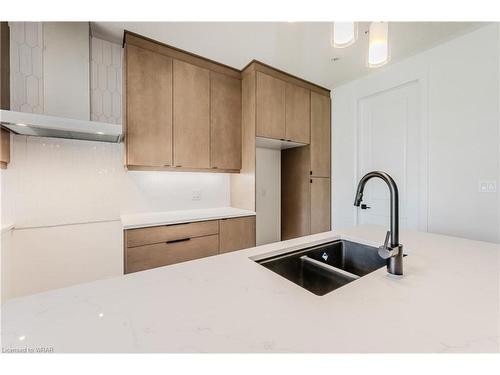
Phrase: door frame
(383, 83)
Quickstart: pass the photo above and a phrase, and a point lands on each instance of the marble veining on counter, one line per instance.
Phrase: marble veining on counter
(150, 219)
(447, 301)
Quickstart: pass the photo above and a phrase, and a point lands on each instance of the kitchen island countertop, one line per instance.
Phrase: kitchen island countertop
(447, 301)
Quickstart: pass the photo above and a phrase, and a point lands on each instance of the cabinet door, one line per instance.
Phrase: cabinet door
(295, 193)
(320, 135)
(298, 113)
(270, 107)
(191, 116)
(236, 234)
(320, 205)
(225, 118)
(148, 108)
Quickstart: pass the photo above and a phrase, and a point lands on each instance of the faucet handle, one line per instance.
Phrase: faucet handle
(387, 237)
(385, 251)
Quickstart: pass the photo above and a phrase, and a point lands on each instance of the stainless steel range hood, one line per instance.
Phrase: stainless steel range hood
(51, 126)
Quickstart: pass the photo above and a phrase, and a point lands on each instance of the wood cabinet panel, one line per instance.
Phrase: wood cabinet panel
(191, 114)
(4, 148)
(320, 135)
(150, 235)
(237, 233)
(320, 205)
(148, 107)
(270, 107)
(4, 90)
(225, 118)
(297, 113)
(162, 254)
(295, 193)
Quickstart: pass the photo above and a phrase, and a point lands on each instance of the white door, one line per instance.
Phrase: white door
(388, 140)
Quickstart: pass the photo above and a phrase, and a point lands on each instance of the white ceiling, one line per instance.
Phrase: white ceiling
(300, 48)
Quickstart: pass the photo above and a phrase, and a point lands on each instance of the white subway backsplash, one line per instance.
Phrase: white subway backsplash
(59, 181)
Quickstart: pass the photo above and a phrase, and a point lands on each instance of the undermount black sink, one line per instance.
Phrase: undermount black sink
(326, 267)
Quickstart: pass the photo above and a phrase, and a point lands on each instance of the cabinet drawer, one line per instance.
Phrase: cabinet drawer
(152, 235)
(162, 254)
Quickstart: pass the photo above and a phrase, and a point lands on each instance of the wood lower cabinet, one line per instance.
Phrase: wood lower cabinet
(148, 108)
(4, 90)
(165, 253)
(236, 234)
(320, 135)
(225, 115)
(270, 107)
(4, 148)
(191, 114)
(152, 247)
(298, 113)
(320, 205)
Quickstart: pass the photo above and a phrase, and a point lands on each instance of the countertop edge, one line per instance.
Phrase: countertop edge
(197, 216)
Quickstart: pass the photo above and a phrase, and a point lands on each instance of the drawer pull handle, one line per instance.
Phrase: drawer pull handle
(181, 240)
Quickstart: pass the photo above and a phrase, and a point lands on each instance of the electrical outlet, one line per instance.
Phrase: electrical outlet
(487, 187)
(196, 195)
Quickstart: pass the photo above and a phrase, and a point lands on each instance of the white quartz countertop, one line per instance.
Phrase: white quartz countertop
(447, 301)
(151, 219)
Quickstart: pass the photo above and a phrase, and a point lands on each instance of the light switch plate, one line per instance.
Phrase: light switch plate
(196, 195)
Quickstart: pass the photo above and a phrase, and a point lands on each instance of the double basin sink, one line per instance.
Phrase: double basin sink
(323, 268)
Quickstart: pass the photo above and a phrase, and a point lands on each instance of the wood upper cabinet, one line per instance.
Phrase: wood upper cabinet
(191, 114)
(236, 234)
(182, 111)
(270, 107)
(320, 205)
(297, 113)
(148, 107)
(283, 110)
(320, 135)
(225, 124)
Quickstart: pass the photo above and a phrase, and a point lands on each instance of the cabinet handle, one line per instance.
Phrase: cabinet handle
(283, 139)
(166, 165)
(311, 181)
(214, 167)
(178, 166)
(181, 240)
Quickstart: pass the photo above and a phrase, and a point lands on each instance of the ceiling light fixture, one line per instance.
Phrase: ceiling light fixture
(378, 44)
(343, 34)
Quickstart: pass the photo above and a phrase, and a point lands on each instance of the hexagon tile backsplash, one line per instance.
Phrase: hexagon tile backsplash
(106, 81)
(26, 66)
(27, 73)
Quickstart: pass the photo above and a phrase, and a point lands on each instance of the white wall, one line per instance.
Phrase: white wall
(268, 195)
(459, 109)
